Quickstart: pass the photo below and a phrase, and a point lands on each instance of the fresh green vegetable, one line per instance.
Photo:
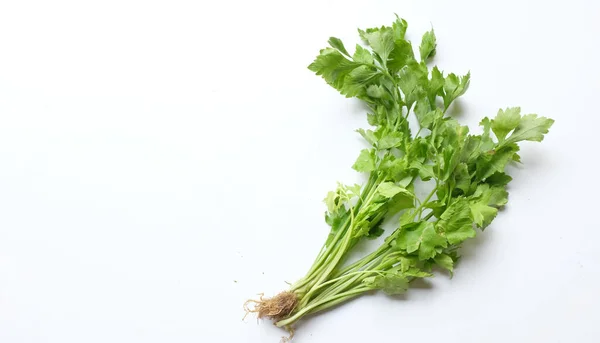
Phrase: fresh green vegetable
(465, 172)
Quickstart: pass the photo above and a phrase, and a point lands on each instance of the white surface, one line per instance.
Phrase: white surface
(152, 152)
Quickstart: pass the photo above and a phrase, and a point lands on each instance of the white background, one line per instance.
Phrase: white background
(163, 161)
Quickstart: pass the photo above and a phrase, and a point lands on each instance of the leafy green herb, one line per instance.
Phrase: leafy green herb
(467, 173)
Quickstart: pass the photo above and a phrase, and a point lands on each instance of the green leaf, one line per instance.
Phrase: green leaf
(424, 113)
(498, 179)
(417, 149)
(336, 218)
(406, 182)
(450, 133)
(412, 80)
(332, 201)
(391, 140)
(436, 84)
(421, 237)
(407, 262)
(375, 231)
(462, 178)
(444, 261)
(363, 33)
(428, 45)
(422, 107)
(406, 219)
(354, 190)
(356, 82)
(368, 135)
(506, 121)
(399, 28)
(456, 222)
(416, 272)
(425, 170)
(486, 142)
(447, 161)
(337, 44)
(483, 214)
(530, 128)
(333, 67)
(401, 201)
(382, 42)
(498, 196)
(390, 283)
(485, 202)
(438, 207)
(393, 168)
(362, 55)
(365, 162)
(348, 77)
(400, 56)
(367, 219)
(377, 92)
(471, 149)
(390, 189)
(494, 161)
(516, 157)
(454, 87)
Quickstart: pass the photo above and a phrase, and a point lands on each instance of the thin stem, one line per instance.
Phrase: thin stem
(339, 287)
(340, 251)
(360, 263)
(319, 305)
(386, 73)
(371, 271)
(326, 255)
(322, 261)
(401, 117)
(417, 134)
(338, 256)
(335, 302)
(429, 215)
(373, 265)
(353, 283)
(368, 259)
(424, 202)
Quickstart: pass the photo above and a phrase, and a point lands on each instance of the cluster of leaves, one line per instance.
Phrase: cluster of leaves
(468, 172)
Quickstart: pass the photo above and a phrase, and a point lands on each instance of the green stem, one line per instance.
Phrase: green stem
(359, 272)
(338, 294)
(322, 261)
(429, 215)
(418, 132)
(336, 302)
(424, 202)
(323, 304)
(326, 255)
(377, 265)
(360, 263)
(340, 252)
(349, 280)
